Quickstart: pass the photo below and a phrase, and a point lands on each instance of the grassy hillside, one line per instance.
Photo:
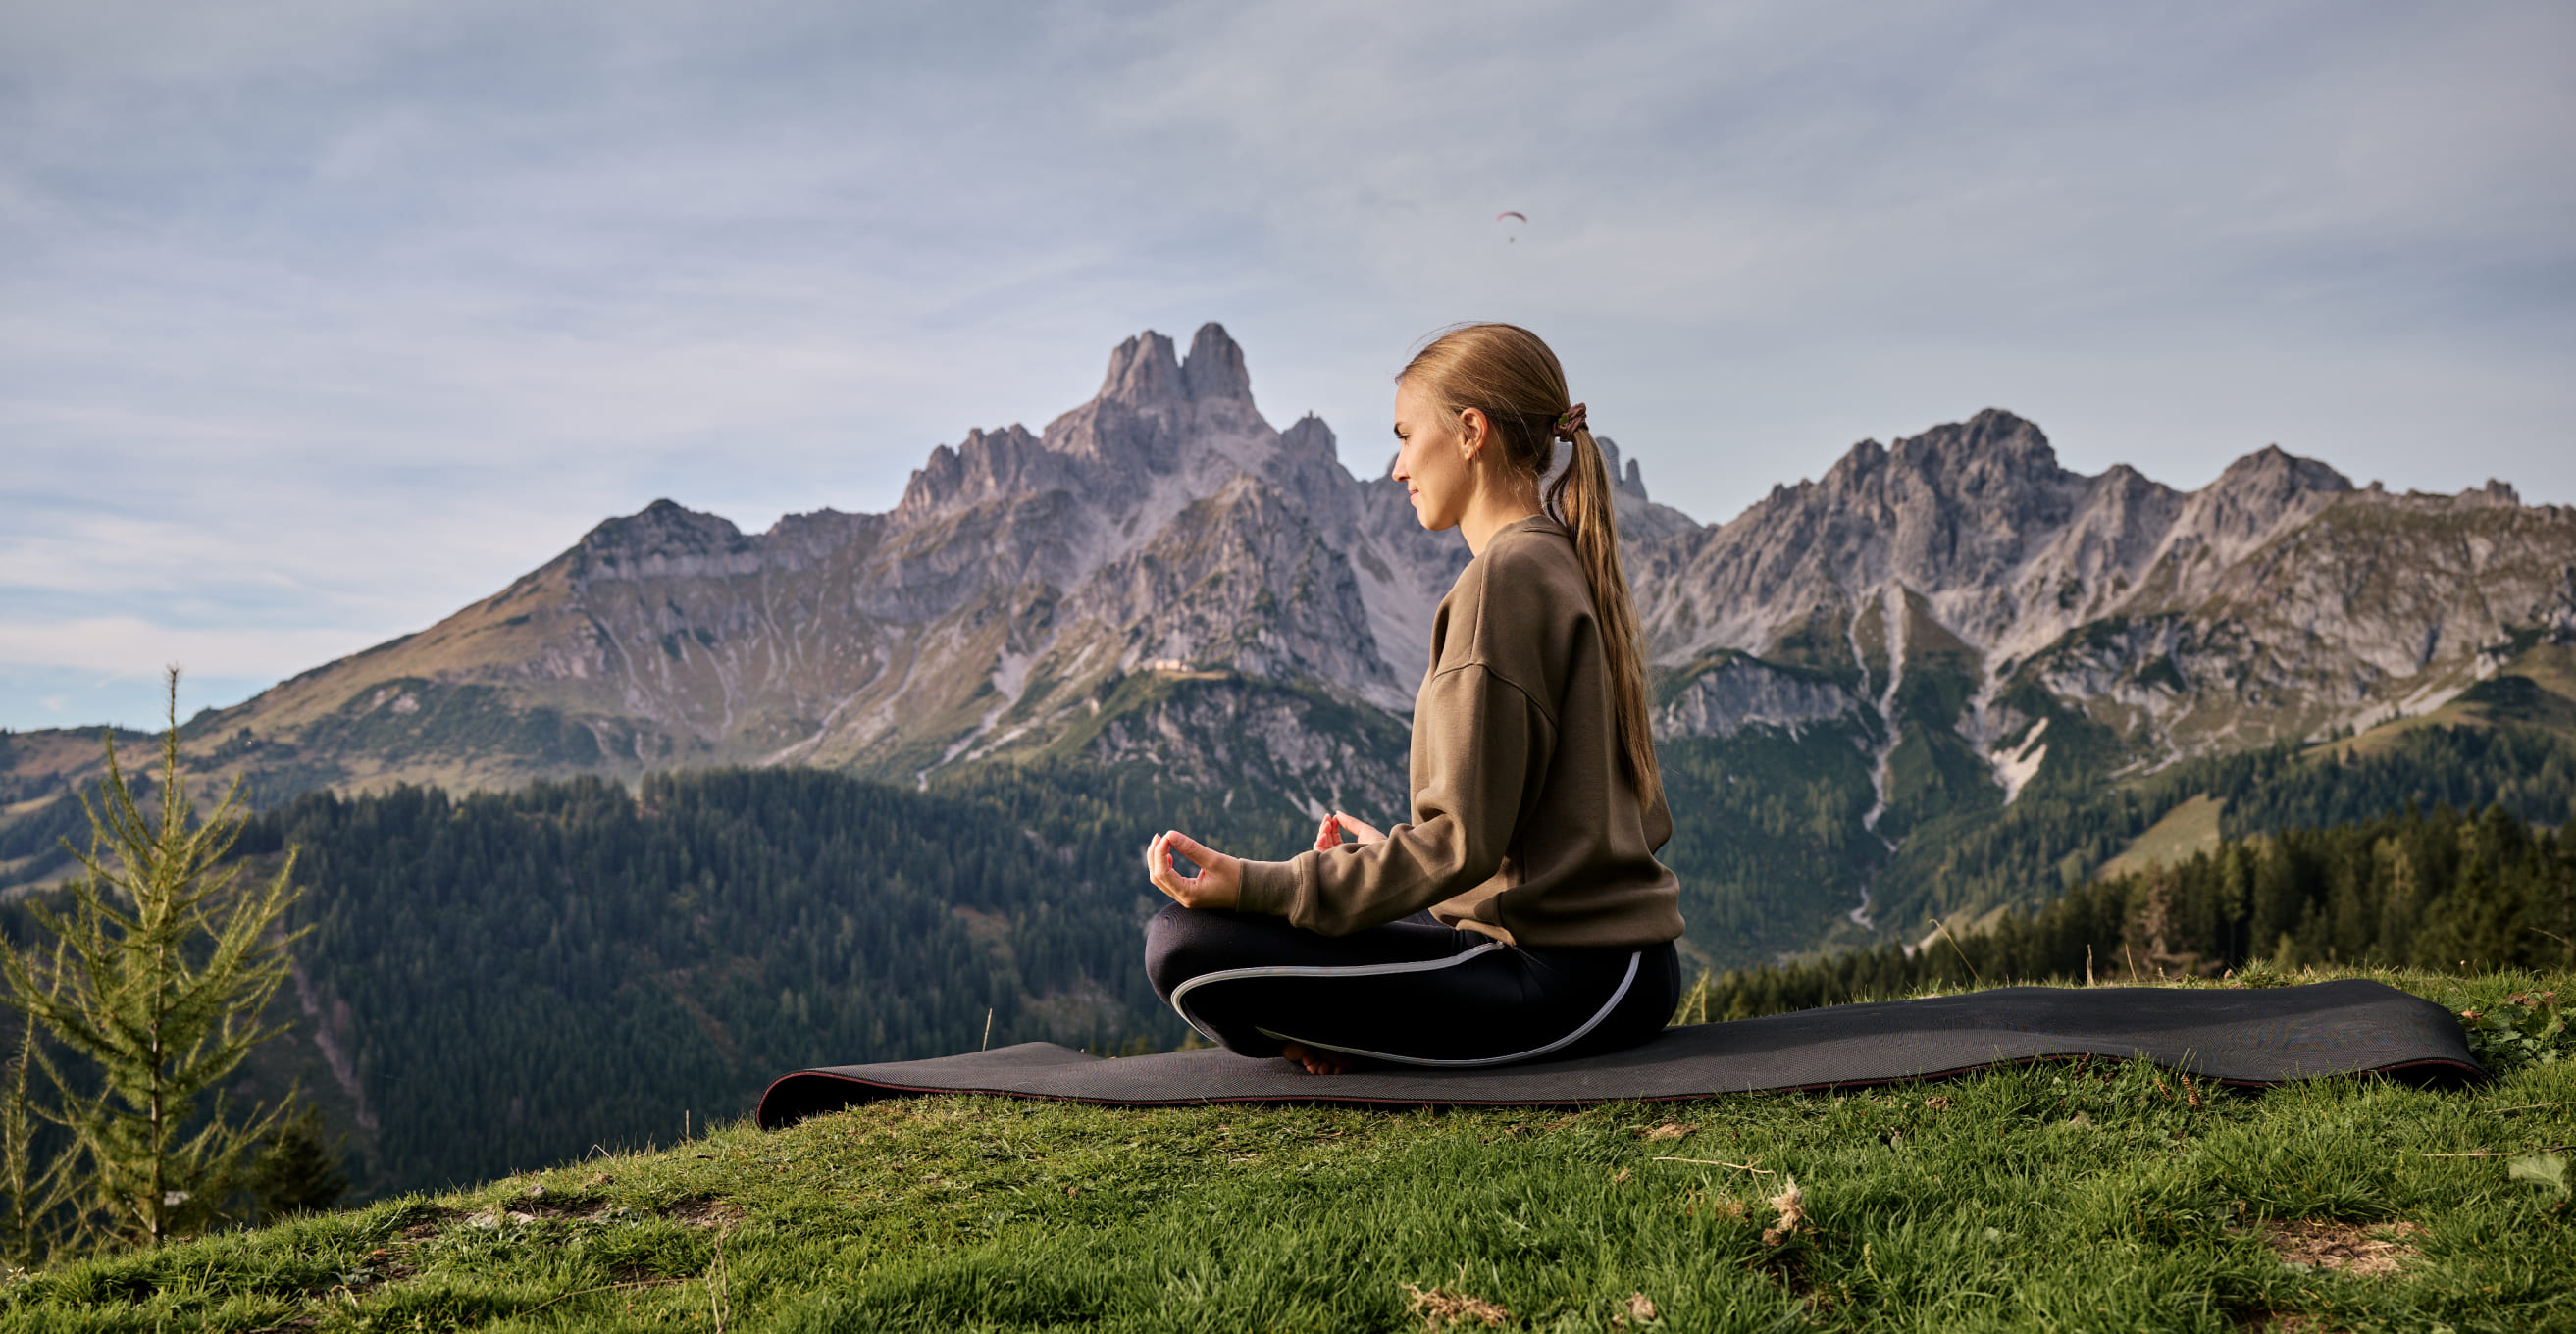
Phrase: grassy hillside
(2057, 1196)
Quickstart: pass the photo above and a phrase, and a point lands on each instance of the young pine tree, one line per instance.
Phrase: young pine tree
(154, 984)
(296, 1173)
(42, 1217)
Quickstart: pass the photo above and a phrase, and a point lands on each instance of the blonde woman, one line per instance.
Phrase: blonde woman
(1520, 914)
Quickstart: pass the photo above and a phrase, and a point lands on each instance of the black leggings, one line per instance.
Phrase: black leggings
(1412, 992)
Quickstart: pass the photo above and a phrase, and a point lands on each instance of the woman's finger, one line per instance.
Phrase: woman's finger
(1158, 866)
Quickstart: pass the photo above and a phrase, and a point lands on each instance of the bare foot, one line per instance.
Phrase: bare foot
(1316, 1062)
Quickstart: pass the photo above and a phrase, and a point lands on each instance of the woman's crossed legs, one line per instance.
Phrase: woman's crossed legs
(1412, 992)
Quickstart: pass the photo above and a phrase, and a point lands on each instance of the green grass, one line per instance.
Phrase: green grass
(2189, 828)
(2063, 1196)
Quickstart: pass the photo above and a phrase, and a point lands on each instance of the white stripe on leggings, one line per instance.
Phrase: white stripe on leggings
(1318, 970)
(1356, 970)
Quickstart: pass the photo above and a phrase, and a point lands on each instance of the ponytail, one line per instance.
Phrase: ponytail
(1507, 373)
(1582, 501)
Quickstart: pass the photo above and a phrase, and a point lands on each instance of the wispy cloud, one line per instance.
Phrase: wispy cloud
(112, 646)
(320, 320)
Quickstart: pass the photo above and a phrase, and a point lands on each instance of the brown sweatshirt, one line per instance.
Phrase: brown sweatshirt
(1526, 825)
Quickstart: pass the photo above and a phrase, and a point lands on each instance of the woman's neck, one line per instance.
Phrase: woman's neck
(1489, 512)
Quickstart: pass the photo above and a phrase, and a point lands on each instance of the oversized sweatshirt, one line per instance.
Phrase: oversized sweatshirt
(1526, 824)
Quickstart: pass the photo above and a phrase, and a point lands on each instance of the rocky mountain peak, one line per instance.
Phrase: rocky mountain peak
(1142, 370)
(663, 527)
(2275, 473)
(1214, 368)
(661, 538)
(1634, 483)
(983, 465)
(1152, 406)
(1857, 465)
(1308, 435)
(1951, 508)
(2257, 498)
(817, 533)
(1990, 454)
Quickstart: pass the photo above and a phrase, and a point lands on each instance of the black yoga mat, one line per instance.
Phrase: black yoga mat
(2249, 1037)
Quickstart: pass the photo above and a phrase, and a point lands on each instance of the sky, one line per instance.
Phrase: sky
(319, 320)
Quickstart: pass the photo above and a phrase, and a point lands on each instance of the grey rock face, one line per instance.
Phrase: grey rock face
(664, 540)
(1215, 367)
(1232, 734)
(1745, 691)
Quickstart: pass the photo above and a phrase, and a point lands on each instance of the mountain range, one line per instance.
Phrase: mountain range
(1160, 582)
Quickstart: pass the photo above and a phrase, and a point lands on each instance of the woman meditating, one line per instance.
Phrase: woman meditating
(1521, 914)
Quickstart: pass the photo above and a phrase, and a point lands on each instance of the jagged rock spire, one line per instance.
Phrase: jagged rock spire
(1143, 369)
(1215, 366)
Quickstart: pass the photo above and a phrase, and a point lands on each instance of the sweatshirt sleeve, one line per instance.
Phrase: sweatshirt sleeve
(1485, 745)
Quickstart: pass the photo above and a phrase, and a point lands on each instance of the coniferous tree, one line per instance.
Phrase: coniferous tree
(153, 985)
(40, 1219)
(297, 1173)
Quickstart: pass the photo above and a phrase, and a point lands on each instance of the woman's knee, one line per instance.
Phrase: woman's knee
(1178, 941)
(1182, 943)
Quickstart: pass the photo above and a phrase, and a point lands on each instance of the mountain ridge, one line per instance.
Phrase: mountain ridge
(1159, 575)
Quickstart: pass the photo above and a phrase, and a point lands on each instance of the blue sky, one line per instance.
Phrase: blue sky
(318, 319)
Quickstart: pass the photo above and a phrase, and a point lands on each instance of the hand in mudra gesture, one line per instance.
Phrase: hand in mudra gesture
(1329, 834)
(1219, 883)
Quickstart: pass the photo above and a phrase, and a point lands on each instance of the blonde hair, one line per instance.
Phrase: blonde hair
(1505, 372)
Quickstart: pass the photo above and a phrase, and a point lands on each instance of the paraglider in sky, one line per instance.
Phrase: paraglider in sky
(1511, 234)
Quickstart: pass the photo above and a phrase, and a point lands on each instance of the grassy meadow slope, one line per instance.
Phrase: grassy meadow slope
(2079, 1195)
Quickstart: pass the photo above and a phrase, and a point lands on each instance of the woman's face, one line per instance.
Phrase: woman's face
(1430, 459)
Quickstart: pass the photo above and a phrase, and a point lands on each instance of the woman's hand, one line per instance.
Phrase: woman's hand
(1219, 883)
(1329, 835)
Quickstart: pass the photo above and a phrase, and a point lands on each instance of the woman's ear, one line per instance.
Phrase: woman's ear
(1473, 431)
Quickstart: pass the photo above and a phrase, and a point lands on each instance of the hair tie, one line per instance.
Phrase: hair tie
(1569, 422)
